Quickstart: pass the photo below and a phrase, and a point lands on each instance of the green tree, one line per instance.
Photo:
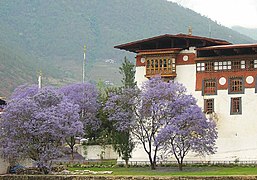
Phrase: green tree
(122, 141)
(103, 134)
(127, 70)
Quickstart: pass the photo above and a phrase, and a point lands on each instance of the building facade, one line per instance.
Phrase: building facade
(220, 75)
(3, 164)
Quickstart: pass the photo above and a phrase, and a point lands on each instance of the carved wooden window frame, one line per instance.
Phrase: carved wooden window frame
(209, 87)
(236, 106)
(208, 106)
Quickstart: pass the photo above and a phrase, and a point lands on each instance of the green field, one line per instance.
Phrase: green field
(173, 171)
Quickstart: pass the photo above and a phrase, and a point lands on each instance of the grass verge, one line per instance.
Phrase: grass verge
(173, 171)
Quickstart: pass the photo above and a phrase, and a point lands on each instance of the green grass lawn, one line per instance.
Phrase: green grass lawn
(173, 171)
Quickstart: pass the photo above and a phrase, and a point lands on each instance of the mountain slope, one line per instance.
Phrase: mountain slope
(14, 72)
(52, 34)
(250, 32)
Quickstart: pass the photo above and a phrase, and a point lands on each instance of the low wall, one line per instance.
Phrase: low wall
(97, 152)
(77, 177)
(3, 166)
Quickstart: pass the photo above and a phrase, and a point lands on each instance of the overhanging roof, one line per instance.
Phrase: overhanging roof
(232, 46)
(227, 50)
(171, 41)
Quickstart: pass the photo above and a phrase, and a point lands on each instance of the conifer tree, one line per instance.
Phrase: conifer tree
(122, 141)
(127, 70)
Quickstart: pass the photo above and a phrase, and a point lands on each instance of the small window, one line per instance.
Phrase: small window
(242, 64)
(160, 63)
(216, 66)
(229, 65)
(236, 65)
(209, 87)
(200, 67)
(164, 63)
(169, 64)
(156, 63)
(225, 65)
(255, 63)
(209, 66)
(236, 106)
(209, 106)
(236, 85)
(220, 65)
(148, 63)
(152, 64)
(250, 64)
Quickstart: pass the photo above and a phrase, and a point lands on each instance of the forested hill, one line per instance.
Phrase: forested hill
(251, 32)
(50, 35)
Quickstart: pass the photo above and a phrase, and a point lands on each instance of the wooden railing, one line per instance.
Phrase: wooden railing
(163, 72)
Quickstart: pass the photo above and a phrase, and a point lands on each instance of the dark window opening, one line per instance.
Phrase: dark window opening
(236, 65)
(236, 85)
(209, 106)
(209, 87)
(209, 66)
(236, 106)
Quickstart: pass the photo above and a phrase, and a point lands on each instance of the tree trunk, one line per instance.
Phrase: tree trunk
(126, 165)
(180, 166)
(72, 153)
(180, 162)
(153, 163)
(153, 166)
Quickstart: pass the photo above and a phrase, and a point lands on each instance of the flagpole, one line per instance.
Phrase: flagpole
(84, 64)
(40, 80)
(83, 80)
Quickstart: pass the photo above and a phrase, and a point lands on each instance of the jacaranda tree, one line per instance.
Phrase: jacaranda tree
(188, 131)
(35, 124)
(85, 95)
(145, 117)
(154, 107)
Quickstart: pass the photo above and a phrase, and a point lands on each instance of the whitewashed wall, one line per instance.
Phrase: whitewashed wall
(140, 75)
(95, 152)
(237, 134)
(3, 166)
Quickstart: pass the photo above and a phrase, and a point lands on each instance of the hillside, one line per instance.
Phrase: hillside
(250, 32)
(52, 35)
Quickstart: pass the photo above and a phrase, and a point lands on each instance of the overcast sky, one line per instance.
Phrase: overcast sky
(225, 12)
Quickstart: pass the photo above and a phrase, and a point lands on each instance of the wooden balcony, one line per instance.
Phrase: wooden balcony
(161, 65)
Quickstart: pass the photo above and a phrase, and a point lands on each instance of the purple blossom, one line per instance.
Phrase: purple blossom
(24, 91)
(35, 125)
(85, 95)
(160, 111)
(189, 130)
(120, 108)
(144, 112)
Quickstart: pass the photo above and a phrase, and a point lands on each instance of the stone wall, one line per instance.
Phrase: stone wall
(3, 166)
(77, 177)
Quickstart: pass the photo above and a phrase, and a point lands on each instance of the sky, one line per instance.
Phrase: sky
(226, 12)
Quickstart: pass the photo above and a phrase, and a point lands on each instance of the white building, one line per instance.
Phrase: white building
(221, 76)
(3, 164)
